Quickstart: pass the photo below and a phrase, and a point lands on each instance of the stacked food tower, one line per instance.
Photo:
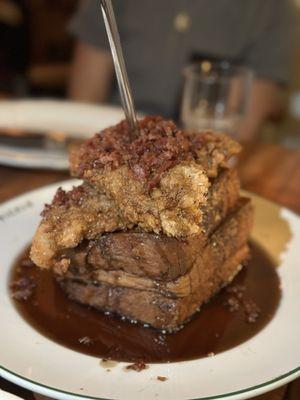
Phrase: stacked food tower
(157, 227)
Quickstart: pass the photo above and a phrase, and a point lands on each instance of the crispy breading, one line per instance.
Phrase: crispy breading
(216, 151)
(158, 183)
(159, 180)
(81, 213)
(159, 147)
(173, 209)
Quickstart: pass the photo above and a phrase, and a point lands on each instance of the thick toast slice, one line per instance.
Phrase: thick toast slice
(168, 304)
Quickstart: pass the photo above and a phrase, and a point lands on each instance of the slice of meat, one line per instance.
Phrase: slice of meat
(156, 256)
(148, 307)
(168, 304)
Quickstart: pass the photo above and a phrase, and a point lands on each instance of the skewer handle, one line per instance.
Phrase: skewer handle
(119, 63)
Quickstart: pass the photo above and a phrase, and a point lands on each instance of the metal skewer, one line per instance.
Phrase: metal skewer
(119, 63)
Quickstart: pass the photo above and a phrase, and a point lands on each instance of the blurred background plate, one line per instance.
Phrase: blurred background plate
(44, 117)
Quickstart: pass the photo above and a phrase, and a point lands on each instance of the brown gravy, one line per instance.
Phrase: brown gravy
(221, 324)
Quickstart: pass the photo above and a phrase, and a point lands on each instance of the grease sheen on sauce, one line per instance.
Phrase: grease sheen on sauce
(211, 331)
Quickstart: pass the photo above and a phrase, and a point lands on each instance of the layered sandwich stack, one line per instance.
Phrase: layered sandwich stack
(156, 228)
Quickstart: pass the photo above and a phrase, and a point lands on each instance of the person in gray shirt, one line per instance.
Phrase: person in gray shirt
(160, 37)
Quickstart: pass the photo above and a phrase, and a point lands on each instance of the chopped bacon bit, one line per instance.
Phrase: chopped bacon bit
(159, 146)
(162, 378)
(137, 366)
(66, 199)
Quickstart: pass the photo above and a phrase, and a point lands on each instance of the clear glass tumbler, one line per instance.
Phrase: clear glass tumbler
(215, 96)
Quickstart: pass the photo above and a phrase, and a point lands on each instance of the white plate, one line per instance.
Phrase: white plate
(74, 119)
(8, 396)
(266, 361)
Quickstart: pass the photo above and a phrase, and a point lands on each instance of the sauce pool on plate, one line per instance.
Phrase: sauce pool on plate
(234, 315)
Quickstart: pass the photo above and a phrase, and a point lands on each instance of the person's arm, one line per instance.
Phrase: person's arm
(265, 103)
(91, 74)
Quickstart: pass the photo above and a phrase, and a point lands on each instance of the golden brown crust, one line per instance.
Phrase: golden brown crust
(159, 183)
(84, 213)
(150, 255)
(67, 223)
(159, 147)
(174, 209)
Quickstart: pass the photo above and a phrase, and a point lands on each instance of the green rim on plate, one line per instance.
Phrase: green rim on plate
(295, 372)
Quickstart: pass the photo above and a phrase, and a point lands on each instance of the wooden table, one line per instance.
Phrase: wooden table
(268, 170)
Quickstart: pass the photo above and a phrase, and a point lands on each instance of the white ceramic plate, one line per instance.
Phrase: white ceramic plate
(266, 361)
(74, 119)
(8, 396)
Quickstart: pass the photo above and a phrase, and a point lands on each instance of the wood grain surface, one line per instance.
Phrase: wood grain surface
(268, 170)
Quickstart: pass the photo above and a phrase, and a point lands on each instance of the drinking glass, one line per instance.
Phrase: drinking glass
(215, 96)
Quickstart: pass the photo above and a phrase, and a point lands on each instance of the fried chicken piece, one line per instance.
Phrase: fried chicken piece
(66, 221)
(159, 146)
(172, 207)
(81, 213)
(158, 183)
(85, 213)
(159, 180)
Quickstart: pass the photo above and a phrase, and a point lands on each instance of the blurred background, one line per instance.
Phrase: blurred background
(46, 51)
(36, 49)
